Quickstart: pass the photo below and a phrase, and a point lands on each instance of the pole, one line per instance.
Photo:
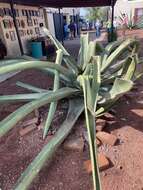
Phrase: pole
(112, 20)
(61, 28)
(16, 27)
(73, 16)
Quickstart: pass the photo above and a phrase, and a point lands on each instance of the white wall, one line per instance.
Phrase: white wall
(51, 23)
(125, 6)
(13, 46)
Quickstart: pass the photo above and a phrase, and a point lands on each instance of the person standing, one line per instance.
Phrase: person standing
(124, 23)
(72, 30)
(98, 28)
(66, 31)
(115, 23)
(75, 29)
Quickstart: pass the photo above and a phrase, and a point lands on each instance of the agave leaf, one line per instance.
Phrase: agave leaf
(76, 107)
(53, 105)
(83, 51)
(48, 71)
(113, 56)
(90, 123)
(10, 61)
(108, 49)
(20, 113)
(66, 56)
(91, 51)
(51, 72)
(129, 68)
(96, 79)
(35, 64)
(71, 63)
(22, 97)
(55, 41)
(139, 71)
(113, 70)
(30, 87)
(120, 87)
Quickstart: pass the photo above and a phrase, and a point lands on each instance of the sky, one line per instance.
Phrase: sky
(83, 11)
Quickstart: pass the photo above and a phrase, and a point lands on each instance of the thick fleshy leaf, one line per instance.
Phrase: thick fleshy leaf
(108, 50)
(90, 124)
(53, 105)
(30, 87)
(129, 68)
(115, 54)
(76, 107)
(55, 41)
(34, 64)
(120, 87)
(71, 64)
(9, 122)
(69, 60)
(22, 97)
(83, 53)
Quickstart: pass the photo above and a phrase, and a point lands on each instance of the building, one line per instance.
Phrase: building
(54, 20)
(129, 7)
(28, 19)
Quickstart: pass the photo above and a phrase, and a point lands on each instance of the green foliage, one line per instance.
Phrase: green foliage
(93, 84)
(100, 13)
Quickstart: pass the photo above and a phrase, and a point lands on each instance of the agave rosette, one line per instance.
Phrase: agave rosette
(92, 84)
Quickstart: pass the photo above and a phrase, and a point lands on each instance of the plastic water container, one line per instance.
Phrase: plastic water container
(36, 48)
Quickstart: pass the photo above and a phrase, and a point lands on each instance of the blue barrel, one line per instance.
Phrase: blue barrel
(36, 48)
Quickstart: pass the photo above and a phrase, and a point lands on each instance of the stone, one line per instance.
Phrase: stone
(106, 138)
(41, 126)
(138, 112)
(123, 119)
(74, 144)
(98, 142)
(27, 130)
(103, 163)
(100, 124)
(29, 122)
(109, 116)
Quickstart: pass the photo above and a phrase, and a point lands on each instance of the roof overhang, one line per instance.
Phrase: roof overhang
(63, 3)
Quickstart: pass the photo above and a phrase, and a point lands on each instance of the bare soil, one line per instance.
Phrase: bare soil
(66, 171)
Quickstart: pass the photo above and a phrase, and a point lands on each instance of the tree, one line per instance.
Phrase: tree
(97, 13)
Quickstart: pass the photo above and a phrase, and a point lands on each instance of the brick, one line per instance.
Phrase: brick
(27, 130)
(29, 122)
(103, 163)
(98, 142)
(109, 116)
(100, 124)
(106, 138)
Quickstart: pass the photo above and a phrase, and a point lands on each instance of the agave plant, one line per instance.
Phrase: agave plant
(92, 84)
(132, 22)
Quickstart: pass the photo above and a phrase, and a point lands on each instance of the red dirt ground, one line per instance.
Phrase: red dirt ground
(66, 171)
